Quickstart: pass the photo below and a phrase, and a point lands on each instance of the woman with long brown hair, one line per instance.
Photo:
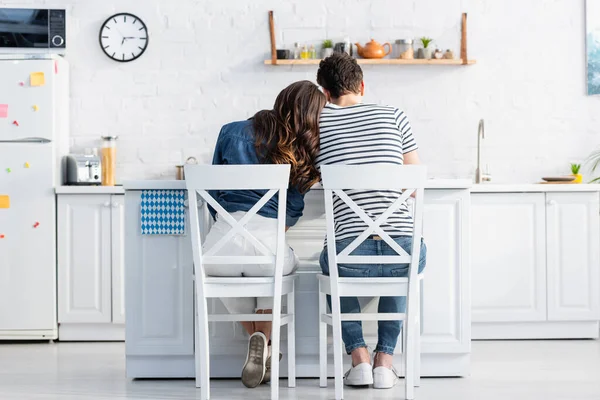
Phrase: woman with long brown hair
(287, 134)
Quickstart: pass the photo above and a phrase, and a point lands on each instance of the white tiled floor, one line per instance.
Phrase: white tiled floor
(526, 370)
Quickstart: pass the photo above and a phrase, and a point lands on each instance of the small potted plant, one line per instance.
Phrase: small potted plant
(575, 168)
(427, 51)
(327, 48)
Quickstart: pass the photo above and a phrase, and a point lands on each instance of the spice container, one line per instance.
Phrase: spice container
(179, 169)
(305, 54)
(405, 49)
(109, 160)
(313, 52)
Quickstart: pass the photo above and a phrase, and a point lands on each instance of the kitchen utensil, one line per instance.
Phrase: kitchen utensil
(83, 169)
(559, 179)
(373, 49)
(179, 172)
(109, 160)
(405, 49)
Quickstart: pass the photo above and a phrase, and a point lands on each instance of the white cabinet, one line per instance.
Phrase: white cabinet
(159, 290)
(509, 257)
(446, 313)
(573, 248)
(90, 267)
(536, 265)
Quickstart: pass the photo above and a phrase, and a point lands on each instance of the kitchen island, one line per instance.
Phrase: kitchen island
(159, 292)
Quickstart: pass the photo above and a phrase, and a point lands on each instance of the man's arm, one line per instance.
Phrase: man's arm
(412, 157)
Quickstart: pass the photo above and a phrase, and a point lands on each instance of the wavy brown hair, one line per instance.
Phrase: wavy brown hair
(289, 133)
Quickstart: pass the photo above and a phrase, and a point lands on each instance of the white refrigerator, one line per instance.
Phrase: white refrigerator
(34, 106)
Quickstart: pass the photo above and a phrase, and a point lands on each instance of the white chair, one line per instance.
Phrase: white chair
(336, 179)
(275, 178)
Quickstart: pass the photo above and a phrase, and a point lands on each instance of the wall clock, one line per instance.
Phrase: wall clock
(124, 37)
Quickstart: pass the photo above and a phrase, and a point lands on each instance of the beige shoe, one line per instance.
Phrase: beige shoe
(267, 377)
(255, 366)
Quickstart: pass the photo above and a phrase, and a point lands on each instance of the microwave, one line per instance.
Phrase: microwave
(31, 28)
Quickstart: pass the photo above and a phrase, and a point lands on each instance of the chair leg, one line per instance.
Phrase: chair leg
(291, 331)
(337, 348)
(409, 325)
(202, 349)
(322, 341)
(275, 347)
(418, 337)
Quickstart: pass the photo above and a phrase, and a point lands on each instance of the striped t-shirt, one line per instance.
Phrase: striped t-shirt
(366, 134)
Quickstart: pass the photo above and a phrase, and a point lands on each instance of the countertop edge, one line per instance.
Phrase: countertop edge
(89, 190)
(533, 188)
(449, 184)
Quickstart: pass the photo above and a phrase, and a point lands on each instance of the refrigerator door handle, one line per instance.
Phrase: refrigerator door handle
(28, 140)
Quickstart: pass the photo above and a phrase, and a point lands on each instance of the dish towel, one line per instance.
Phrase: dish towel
(162, 212)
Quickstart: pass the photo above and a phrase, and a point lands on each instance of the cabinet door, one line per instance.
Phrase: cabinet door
(84, 259)
(509, 257)
(573, 256)
(446, 313)
(118, 258)
(159, 289)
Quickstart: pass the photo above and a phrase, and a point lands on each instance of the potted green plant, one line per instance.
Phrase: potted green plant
(594, 160)
(575, 168)
(327, 48)
(427, 51)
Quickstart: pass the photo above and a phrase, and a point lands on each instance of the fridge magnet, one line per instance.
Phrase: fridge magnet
(21, 83)
(4, 201)
(27, 165)
(16, 123)
(1, 236)
(35, 108)
(8, 170)
(3, 110)
(36, 224)
(37, 79)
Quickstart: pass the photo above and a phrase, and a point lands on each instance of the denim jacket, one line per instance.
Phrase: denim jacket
(235, 145)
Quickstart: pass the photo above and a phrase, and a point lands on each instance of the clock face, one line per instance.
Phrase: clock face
(124, 37)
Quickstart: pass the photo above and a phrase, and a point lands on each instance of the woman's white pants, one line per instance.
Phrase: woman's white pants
(265, 230)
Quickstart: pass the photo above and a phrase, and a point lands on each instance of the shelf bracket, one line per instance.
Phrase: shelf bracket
(272, 31)
(463, 40)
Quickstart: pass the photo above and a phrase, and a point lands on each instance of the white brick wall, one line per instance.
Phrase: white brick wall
(204, 68)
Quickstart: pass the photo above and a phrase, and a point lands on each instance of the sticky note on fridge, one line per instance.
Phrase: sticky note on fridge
(37, 79)
(4, 201)
(3, 110)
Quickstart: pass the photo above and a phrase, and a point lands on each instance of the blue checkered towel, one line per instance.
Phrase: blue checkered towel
(162, 212)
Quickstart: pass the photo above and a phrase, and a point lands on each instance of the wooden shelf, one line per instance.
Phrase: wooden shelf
(383, 61)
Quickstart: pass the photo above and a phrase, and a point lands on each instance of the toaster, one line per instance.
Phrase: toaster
(83, 169)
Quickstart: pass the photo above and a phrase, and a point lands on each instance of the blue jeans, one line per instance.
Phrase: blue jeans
(388, 331)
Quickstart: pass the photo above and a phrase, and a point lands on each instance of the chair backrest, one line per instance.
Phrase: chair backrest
(408, 180)
(199, 179)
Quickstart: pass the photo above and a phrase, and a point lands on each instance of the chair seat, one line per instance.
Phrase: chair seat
(358, 287)
(246, 286)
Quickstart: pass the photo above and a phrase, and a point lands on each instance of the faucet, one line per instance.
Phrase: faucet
(479, 176)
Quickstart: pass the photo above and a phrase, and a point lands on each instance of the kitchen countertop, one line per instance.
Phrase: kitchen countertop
(533, 187)
(171, 184)
(89, 190)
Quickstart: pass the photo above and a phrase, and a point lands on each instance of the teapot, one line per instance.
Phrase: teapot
(373, 49)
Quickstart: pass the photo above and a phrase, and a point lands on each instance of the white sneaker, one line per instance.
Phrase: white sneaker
(255, 366)
(384, 378)
(361, 375)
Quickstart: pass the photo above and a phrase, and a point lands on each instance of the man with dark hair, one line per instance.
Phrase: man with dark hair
(354, 133)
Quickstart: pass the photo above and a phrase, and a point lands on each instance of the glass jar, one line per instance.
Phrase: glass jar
(405, 49)
(109, 160)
